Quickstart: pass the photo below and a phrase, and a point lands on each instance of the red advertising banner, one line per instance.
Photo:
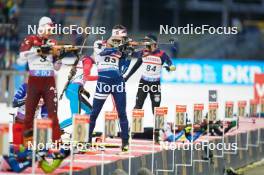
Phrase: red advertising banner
(259, 86)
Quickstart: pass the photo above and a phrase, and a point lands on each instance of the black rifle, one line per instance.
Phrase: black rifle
(72, 73)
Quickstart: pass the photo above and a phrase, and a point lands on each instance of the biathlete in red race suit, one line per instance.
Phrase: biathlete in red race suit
(41, 81)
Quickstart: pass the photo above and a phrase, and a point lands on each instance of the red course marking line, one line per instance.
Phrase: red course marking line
(75, 168)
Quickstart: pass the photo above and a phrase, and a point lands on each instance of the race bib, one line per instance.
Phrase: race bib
(152, 67)
(109, 62)
(39, 63)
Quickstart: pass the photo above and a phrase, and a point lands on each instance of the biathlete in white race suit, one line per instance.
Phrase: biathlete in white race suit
(152, 60)
(110, 81)
(75, 90)
(41, 82)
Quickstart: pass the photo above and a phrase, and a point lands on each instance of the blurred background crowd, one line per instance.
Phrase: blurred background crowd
(247, 15)
(9, 33)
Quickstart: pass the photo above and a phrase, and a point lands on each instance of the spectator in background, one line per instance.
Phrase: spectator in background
(144, 171)
(13, 11)
(58, 15)
(2, 48)
(1, 12)
(79, 39)
(69, 4)
(7, 6)
(239, 37)
(50, 3)
(9, 32)
(2, 57)
(80, 4)
(119, 172)
(174, 48)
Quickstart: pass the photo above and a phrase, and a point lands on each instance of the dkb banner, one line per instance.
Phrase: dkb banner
(213, 71)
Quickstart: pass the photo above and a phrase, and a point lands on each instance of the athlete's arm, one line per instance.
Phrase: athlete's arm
(23, 56)
(19, 98)
(87, 66)
(108, 51)
(124, 65)
(44, 111)
(134, 69)
(166, 59)
(27, 50)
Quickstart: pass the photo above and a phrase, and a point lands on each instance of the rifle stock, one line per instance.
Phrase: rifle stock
(72, 74)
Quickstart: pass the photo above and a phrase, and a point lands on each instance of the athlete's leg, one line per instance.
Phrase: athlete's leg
(32, 100)
(98, 102)
(155, 95)
(73, 97)
(85, 105)
(230, 126)
(141, 94)
(215, 130)
(50, 166)
(19, 159)
(195, 136)
(120, 101)
(50, 99)
(57, 158)
(17, 166)
(18, 131)
(174, 138)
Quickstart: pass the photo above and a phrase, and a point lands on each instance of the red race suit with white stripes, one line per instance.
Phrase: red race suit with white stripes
(41, 82)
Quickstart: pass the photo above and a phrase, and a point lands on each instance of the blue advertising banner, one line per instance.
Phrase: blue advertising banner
(229, 72)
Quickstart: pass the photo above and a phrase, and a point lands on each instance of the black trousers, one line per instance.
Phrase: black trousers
(151, 88)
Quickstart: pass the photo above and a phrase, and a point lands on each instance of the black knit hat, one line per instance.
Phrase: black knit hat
(152, 37)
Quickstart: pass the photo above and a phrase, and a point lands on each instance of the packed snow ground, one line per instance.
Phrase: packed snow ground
(172, 94)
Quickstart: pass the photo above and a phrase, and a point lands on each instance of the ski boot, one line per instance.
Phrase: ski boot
(125, 145)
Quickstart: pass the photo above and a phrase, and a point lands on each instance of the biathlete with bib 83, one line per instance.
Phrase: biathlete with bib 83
(111, 63)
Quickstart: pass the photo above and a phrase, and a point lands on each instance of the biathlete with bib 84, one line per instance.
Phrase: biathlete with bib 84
(152, 60)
